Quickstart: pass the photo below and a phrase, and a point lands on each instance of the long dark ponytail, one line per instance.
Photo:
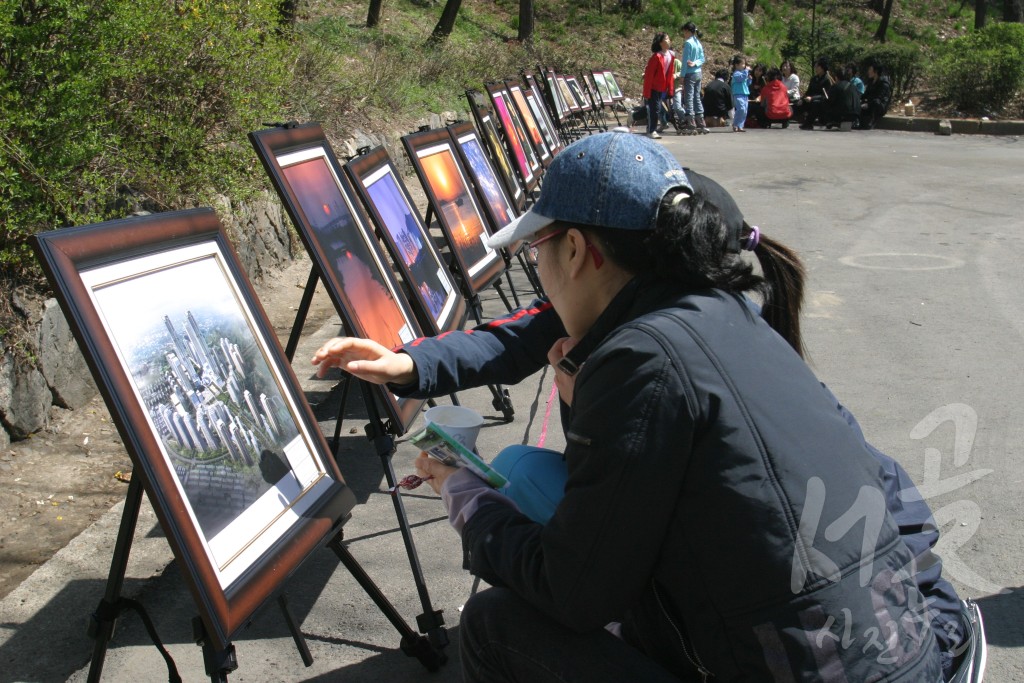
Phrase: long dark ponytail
(692, 246)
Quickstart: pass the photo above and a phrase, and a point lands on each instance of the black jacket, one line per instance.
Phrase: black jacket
(718, 505)
(509, 349)
(817, 89)
(717, 99)
(878, 94)
(843, 102)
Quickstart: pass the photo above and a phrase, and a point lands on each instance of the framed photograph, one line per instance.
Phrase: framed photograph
(519, 144)
(534, 128)
(613, 86)
(340, 240)
(458, 211)
(536, 120)
(602, 86)
(206, 403)
(496, 204)
(539, 90)
(433, 290)
(577, 92)
(554, 96)
(566, 94)
(484, 115)
(587, 80)
(540, 113)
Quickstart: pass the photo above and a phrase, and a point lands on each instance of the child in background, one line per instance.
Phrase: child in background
(740, 92)
(851, 75)
(774, 101)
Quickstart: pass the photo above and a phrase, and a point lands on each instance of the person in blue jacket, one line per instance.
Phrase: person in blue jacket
(512, 348)
(693, 60)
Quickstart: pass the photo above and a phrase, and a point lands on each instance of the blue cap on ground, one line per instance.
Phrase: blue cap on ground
(611, 180)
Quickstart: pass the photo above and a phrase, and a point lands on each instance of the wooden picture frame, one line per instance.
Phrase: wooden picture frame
(613, 86)
(566, 94)
(577, 92)
(244, 486)
(451, 196)
(519, 145)
(603, 91)
(392, 210)
(540, 112)
(340, 240)
(554, 96)
(535, 130)
(483, 113)
(590, 88)
(497, 206)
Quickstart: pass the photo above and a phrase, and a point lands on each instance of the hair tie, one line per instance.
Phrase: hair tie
(753, 239)
(680, 196)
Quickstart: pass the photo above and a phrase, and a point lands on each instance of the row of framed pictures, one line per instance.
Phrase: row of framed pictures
(352, 217)
(591, 91)
(533, 117)
(189, 365)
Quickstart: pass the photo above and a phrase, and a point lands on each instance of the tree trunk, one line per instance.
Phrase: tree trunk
(287, 9)
(373, 16)
(979, 13)
(883, 27)
(525, 21)
(1013, 10)
(751, 4)
(737, 24)
(447, 21)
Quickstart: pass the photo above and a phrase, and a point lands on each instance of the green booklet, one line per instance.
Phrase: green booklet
(441, 445)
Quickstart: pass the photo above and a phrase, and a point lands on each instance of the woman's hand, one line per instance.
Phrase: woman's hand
(434, 471)
(366, 359)
(563, 380)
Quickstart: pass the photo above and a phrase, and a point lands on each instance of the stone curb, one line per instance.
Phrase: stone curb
(919, 124)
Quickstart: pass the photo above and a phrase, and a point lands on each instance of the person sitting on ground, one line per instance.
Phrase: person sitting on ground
(791, 80)
(851, 72)
(774, 101)
(740, 92)
(494, 528)
(718, 99)
(684, 467)
(877, 96)
(843, 104)
(511, 348)
(755, 111)
(812, 105)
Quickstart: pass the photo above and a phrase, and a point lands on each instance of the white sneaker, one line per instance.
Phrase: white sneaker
(654, 135)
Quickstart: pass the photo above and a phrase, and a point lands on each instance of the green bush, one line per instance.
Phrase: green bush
(112, 104)
(983, 70)
(903, 62)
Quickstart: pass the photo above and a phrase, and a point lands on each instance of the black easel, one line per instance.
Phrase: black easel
(221, 662)
(382, 434)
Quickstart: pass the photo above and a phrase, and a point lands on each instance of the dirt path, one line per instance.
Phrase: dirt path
(62, 479)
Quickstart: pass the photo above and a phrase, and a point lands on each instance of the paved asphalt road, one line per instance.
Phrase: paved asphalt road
(914, 319)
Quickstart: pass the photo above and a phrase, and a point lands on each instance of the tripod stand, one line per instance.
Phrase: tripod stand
(220, 661)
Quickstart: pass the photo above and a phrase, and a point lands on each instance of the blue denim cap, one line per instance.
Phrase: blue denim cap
(610, 180)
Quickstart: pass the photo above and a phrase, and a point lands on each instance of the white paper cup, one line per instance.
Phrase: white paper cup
(462, 423)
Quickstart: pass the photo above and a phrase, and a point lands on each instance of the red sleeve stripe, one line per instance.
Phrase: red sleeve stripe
(519, 314)
(491, 325)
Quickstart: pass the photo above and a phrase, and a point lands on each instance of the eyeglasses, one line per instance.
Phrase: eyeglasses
(532, 246)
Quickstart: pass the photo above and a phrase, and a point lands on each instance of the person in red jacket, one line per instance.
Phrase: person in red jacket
(658, 83)
(774, 101)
